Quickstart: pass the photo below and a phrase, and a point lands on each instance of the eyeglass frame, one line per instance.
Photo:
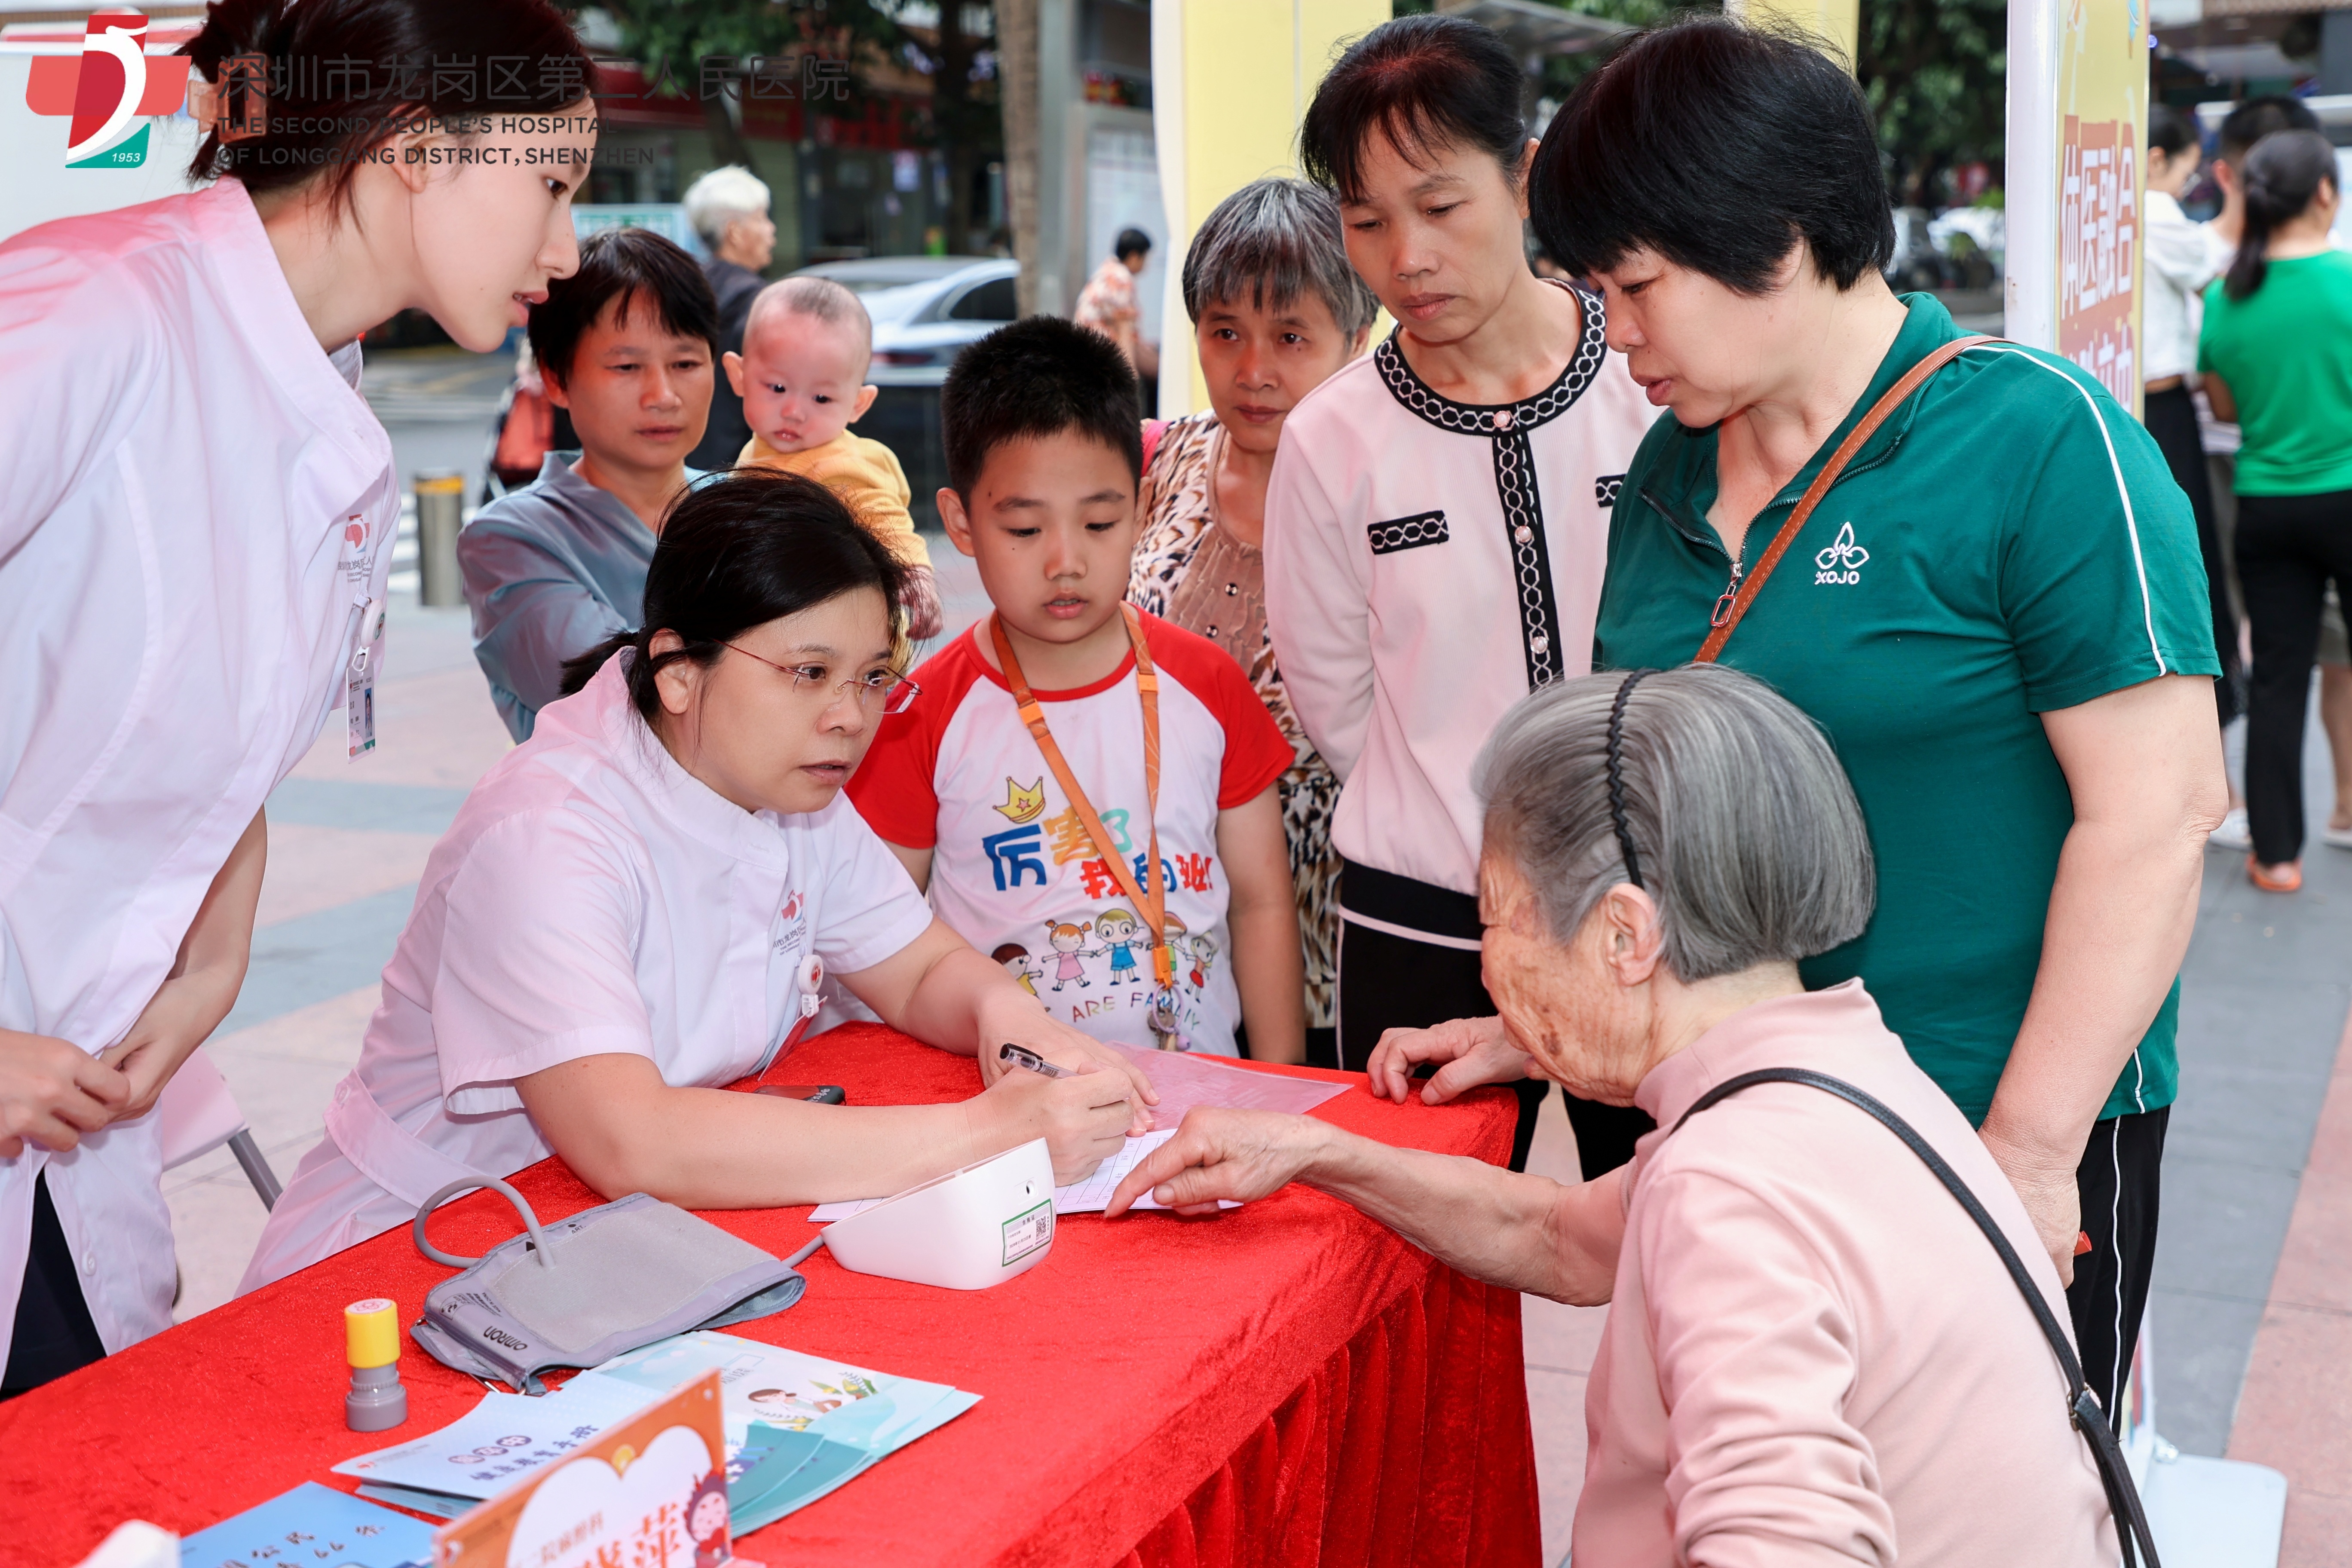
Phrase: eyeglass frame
(899, 683)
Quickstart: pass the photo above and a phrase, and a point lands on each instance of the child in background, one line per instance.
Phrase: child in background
(1044, 459)
(807, 346)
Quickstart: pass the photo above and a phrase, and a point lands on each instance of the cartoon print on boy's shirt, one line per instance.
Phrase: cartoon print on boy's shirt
(1202, 950)
(1071, 841)
(1070, 942)
(1121, 934)
(1019, 965)
(1023, 803)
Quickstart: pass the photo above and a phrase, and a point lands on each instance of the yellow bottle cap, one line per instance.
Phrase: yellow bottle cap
(372, 1333)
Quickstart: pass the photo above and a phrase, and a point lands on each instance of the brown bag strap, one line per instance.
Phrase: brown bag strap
(1879, 411)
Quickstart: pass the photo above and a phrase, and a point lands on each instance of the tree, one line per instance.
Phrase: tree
(1935, 73)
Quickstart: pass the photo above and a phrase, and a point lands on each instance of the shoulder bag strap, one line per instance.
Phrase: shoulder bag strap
(1154, 910)
(2082, 1402)
(1726, 620)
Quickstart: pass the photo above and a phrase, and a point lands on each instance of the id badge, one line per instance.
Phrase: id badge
(357, 561)
(359, 680)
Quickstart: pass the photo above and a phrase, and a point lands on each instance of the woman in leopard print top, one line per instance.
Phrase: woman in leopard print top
(1276, 310)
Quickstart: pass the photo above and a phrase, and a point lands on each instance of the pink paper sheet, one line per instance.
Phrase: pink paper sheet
(1185, 1080)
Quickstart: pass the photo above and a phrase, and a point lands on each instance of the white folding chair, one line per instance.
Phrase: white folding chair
(199, 1115)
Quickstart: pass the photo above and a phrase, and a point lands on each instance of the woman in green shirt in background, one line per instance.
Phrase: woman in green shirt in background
(2276, 353)
(1998, 614)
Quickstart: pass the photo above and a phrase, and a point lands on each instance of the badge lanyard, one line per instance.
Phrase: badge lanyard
(1153, 907)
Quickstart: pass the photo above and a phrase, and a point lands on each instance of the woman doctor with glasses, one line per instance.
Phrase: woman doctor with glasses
(635, 908)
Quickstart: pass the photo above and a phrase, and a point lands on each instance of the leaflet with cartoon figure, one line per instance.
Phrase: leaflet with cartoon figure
(315, 1526)
(823, 1422)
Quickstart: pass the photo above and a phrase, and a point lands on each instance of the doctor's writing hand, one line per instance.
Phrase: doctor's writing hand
(1222, 1154)
(1474, 1050)
(1083, 1118)
(1024, 1023)
(53, 1092)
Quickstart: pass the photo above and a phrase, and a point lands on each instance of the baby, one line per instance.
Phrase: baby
(801, 376)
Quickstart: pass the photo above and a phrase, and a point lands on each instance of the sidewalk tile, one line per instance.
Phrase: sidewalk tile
(314, 869)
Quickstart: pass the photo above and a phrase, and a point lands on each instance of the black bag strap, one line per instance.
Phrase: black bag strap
(2082, 1400)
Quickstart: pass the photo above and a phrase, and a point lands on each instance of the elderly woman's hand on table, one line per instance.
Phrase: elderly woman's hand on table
(1224, 1155)
(1474, 1051)
(1529, 1233)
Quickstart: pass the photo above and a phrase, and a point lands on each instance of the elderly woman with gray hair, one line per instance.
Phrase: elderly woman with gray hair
(1811, 1354)
(1276, 310)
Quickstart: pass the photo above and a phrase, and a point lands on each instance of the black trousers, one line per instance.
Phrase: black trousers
(2120, 1180)
(2288, 548)
(2171, 418)
(54, 1334)
(1392, 982)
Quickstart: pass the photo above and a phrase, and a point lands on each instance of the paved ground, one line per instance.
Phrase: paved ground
(2252, 1318)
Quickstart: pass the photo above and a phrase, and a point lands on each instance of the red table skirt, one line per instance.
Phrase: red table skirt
(1400, 1450)
(1288, 1384)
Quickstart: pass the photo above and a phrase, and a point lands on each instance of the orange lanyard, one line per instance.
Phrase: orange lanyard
(1154, 908)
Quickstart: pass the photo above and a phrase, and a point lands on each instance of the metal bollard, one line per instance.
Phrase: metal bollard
(440, 497)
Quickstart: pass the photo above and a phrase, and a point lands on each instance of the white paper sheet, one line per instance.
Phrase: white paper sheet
(1089, 1196)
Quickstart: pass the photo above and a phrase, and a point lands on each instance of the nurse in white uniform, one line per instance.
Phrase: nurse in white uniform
(636, 907)
(195, 525)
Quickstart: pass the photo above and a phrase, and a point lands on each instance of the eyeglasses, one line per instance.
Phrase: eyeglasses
(885, 690)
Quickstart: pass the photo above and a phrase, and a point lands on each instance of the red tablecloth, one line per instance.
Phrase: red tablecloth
(1286, 1384)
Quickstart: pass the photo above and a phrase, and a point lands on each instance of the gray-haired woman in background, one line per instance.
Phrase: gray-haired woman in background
(1810, 1354)
(1275, 308)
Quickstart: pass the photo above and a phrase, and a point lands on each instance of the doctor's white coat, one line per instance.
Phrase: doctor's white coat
(194, 504)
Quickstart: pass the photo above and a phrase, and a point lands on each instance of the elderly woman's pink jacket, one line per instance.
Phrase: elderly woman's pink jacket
(1813, 1356)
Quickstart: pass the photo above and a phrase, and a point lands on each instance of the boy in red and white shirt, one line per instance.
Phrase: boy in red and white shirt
(1044, 460)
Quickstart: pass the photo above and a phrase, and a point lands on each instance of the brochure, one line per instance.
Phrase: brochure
(794, 1427)
(313, 1526)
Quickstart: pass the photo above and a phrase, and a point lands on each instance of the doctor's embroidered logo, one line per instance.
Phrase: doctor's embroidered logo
(1843, 561)
(108, 91)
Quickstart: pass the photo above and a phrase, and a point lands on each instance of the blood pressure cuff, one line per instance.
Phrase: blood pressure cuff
(586, 1288)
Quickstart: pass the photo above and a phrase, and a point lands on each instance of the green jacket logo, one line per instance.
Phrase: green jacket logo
(1843, 561)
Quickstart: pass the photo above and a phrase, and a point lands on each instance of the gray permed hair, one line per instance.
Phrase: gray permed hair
(1747, 832)
(1267, 242)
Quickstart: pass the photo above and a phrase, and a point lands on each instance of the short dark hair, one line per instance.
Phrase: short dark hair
(1719, 146)
(2259, 117)
(2169, 131)
(1130, 242)
(325, 120)
(1032, 379)
(1423, 82)
(621, 263)
(737, 554)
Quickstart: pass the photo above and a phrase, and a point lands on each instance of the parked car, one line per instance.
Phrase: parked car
(926, 310)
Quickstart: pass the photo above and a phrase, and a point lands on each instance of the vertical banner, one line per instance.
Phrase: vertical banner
(1230, 81)
(2077, 120)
